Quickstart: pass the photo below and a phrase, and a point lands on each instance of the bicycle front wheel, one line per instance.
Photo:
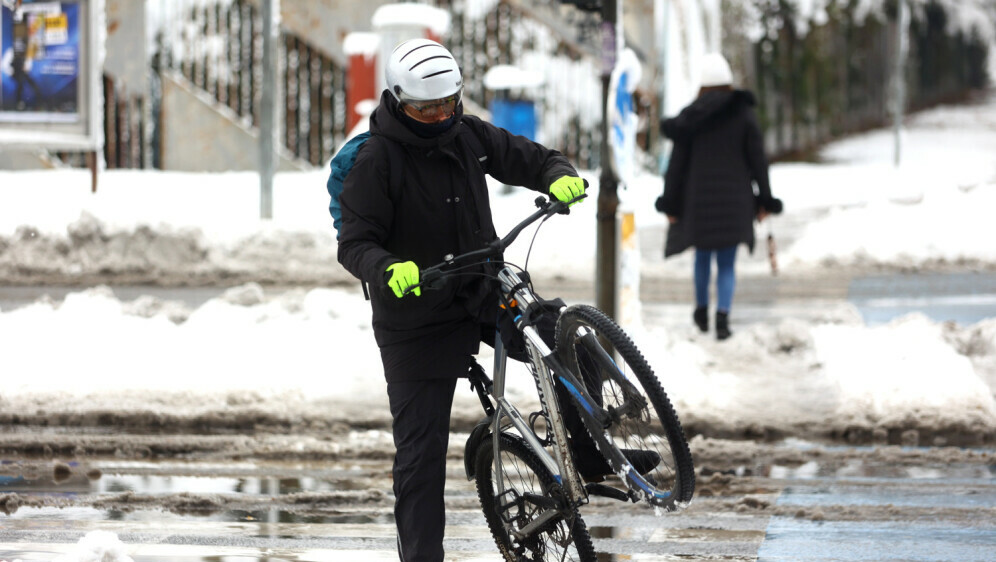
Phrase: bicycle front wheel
(644, 425)
(524, 496)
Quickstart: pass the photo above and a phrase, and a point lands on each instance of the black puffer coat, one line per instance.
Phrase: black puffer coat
(441, 207)
(717, 160)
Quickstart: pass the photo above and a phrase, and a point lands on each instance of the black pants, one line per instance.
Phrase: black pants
(421, 413)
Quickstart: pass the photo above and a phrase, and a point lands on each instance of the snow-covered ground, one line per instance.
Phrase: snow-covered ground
(308, 350)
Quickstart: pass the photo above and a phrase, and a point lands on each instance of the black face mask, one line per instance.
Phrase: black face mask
(428, 130)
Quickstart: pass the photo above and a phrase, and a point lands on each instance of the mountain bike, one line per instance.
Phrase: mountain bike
(594, 380)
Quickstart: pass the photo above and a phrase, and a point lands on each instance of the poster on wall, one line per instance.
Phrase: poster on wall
(40, 69)
(51, 64)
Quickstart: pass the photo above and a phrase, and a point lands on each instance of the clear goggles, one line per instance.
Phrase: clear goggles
(433, 108)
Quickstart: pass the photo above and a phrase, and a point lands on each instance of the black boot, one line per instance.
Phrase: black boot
(722, 325)
(594, 468)
(701, 318)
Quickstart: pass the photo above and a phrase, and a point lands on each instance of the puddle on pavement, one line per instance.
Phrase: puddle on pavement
(55, 477)
(795, 539)
(55, 480)
(858, 469)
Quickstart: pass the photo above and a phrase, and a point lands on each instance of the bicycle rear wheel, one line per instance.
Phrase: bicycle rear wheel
(527, 486)
(621, 381)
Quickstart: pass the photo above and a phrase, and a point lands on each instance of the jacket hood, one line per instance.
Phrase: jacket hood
(387, 120)
(703, 110)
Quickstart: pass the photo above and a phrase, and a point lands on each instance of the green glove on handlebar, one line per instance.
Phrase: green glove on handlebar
(403, 276)
(567, 188)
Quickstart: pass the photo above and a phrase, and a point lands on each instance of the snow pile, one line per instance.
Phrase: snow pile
(310, 355)
(97, 546)
(909, 353)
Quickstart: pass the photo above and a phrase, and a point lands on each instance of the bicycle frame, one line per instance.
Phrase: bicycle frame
(560, 464)
(544, 366)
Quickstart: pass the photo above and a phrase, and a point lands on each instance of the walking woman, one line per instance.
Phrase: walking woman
(715, 186)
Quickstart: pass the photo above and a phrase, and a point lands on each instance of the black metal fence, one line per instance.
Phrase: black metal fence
(218, 48)
(126, 122)
(568, 104)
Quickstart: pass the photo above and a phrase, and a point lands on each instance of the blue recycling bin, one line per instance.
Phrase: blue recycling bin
(516, 116)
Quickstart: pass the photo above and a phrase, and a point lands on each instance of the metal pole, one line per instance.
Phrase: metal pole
(661, 8)
(608, 197)
(899, 84)
(267, 112)
(91, 162)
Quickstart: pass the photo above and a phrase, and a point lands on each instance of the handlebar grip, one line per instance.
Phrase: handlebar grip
(429, 278)
(566, 210)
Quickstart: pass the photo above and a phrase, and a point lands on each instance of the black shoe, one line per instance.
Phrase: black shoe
(723, 325)
(701, 317)
(594, 468)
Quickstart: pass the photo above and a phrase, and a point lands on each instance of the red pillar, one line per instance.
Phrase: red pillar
(360, 84)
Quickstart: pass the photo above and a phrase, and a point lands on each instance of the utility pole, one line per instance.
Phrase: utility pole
(608, 197)
(267, 110)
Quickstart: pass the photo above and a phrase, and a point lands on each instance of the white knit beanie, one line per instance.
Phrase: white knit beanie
(716, 71)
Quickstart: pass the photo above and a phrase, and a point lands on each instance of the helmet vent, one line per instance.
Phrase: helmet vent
(415, 49)
(436, 74)
(425, 60)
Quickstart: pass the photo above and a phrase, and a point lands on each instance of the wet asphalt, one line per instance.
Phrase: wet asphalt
(861, 506)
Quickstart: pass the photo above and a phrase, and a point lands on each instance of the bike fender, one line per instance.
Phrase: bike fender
(480, 431)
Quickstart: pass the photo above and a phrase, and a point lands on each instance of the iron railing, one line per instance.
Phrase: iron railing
(217, 46)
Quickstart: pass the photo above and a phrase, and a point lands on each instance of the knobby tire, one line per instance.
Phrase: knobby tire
(674, 476)
(524, 472)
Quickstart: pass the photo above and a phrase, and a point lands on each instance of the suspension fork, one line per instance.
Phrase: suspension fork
(561, 463)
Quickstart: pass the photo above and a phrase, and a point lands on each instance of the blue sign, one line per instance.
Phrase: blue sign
(516, 116)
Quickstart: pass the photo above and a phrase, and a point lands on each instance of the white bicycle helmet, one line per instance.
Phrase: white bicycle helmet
(421, 69)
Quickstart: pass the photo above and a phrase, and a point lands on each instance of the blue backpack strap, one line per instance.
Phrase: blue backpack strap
(341, 165)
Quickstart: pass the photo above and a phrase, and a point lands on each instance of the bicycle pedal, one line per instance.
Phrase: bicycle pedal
(539, 501)
(606, 492)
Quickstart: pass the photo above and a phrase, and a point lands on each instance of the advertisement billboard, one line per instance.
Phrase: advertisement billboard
(50, 74)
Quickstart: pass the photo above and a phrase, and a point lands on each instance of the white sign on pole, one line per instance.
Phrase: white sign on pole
(623, 120)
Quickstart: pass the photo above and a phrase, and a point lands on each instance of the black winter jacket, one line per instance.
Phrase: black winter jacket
(716, 162)
(441, 207)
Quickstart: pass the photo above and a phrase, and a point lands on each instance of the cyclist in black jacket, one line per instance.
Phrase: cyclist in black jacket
(392, 228)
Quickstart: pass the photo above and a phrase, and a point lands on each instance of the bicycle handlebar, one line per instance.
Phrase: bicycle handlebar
(546, 209)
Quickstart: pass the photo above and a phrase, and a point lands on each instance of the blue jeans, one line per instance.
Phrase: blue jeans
(726, 278)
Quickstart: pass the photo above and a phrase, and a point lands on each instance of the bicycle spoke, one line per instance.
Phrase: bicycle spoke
(527, 496)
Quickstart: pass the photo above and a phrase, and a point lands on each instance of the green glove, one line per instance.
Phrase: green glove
(567, 188)
(403, 275)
